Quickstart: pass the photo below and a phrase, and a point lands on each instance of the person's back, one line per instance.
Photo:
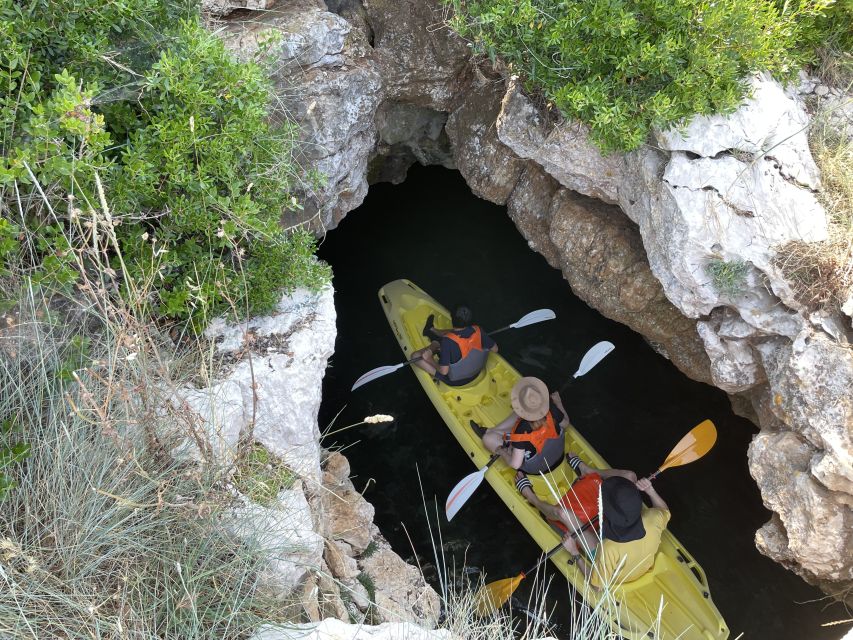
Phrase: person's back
(617, 562)
(630, 534)
(462, 350)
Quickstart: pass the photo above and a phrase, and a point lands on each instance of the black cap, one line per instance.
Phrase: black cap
(622, 505)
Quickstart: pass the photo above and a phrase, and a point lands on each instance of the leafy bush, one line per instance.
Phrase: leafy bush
(626, 66)
(134, 103)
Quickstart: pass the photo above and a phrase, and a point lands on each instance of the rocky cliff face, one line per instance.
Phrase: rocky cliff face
(329, 556)
(379, 85)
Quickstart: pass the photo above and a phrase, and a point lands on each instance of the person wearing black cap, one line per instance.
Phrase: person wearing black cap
(462, 350)
(630, 535)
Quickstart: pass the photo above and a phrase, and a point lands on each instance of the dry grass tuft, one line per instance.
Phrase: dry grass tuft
(821, 273)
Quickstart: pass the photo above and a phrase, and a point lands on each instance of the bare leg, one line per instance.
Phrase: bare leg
(493, 439)
(426, 358)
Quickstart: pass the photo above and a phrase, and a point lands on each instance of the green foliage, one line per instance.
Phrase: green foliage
(626, 66)
(138, 95)
(728, 277)
(829, 27)
(262, 476)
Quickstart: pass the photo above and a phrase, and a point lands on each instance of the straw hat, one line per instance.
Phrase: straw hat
(622, 507)
(529, 399)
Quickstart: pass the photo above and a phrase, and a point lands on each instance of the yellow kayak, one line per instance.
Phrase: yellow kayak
(670, 602)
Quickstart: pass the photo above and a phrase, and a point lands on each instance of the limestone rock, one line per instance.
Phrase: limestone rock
(329, 596)
(814, 530)
(734, 366)
(349, 515)
(332, 629)
(225, 7)
(811, 381)
(338, 556)
(401, 592)
(723, 209)
(270, 389)
(490, 168)
(529, 207)
(286, 531)
(564, 151)
(422, 63)
(327, 81)
(600, 253)
(408, 133)
(769, 124)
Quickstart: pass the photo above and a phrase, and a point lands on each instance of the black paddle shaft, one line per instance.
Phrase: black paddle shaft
(558, 547)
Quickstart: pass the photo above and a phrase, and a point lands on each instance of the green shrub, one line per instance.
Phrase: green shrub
(728, 277)
(626, 66)
(138, 96)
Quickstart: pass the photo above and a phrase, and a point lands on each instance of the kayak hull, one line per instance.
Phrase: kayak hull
(670, 602)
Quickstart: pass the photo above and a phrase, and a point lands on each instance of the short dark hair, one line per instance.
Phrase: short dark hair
(462, 316)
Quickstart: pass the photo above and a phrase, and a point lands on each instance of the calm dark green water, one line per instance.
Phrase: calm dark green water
(633, 407)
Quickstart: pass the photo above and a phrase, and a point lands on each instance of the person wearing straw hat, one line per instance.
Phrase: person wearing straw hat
(630, 535)
(532, 438)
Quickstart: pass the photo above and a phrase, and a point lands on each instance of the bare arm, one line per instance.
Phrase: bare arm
(645, 485)
(555, 398)
(624, 473)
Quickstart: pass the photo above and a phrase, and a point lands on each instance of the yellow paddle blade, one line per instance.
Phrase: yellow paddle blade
(692, 446)
(495, 594)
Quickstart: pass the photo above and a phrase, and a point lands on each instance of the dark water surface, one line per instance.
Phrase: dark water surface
(633, 407)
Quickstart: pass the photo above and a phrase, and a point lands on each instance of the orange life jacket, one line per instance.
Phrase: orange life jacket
(581, 499)
(537, 437)
(466, 345)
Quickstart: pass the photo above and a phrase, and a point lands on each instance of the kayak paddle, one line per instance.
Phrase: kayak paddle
(493, 595)
(596, 354)
(468, 485)
(690, 448)
(540, 315)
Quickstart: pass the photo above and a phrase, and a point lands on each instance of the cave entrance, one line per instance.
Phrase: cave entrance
(633, 407)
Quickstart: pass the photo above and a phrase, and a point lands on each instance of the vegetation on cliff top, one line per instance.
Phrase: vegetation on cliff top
(624, 67)
(135, 104)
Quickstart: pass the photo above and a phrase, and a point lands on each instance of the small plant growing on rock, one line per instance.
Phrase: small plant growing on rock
(261, 476)
(728, 277)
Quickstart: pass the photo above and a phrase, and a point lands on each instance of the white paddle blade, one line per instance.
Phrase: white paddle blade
(378, 372)
(592, 357)
(540, 315)
(462, 491)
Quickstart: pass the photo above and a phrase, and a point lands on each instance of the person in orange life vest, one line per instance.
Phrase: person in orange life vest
(532, 437)
(579, 504)
(462, 351)
(630, 535)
